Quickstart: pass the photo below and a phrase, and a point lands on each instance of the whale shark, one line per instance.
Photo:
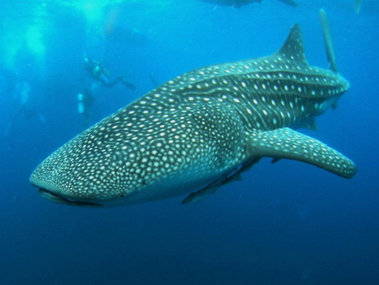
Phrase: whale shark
(199, 131)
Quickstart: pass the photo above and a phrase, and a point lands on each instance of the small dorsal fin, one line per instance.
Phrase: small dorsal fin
(293, 48)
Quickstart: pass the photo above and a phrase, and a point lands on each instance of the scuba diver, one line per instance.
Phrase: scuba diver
(101, 75)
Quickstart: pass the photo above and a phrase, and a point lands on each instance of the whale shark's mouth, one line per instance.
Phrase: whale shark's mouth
(63, 200)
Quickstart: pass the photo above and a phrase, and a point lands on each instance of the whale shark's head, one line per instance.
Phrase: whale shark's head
(113, 161)
(85, 171)
(150, 150)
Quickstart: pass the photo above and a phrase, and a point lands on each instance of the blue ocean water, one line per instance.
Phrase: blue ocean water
(284, 223)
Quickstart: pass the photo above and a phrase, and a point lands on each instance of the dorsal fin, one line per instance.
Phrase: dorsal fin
(293, 48)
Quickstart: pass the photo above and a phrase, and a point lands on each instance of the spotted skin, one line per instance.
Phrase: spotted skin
(196, 130)
(289, 144)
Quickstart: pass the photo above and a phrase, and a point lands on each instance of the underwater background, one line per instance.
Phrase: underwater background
(284, 223)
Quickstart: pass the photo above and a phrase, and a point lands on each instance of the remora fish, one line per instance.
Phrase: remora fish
(199, 130)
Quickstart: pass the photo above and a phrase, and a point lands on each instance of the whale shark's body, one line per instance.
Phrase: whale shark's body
(199, 130)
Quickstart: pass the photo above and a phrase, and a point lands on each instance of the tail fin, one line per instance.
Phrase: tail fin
(328, 41)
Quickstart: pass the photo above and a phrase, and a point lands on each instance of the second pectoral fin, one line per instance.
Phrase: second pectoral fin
(289, 144)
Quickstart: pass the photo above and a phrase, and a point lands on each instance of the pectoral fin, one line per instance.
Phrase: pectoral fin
(289, 144)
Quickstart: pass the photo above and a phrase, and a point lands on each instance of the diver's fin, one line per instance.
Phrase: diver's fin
(328, 41)
(289, 144)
